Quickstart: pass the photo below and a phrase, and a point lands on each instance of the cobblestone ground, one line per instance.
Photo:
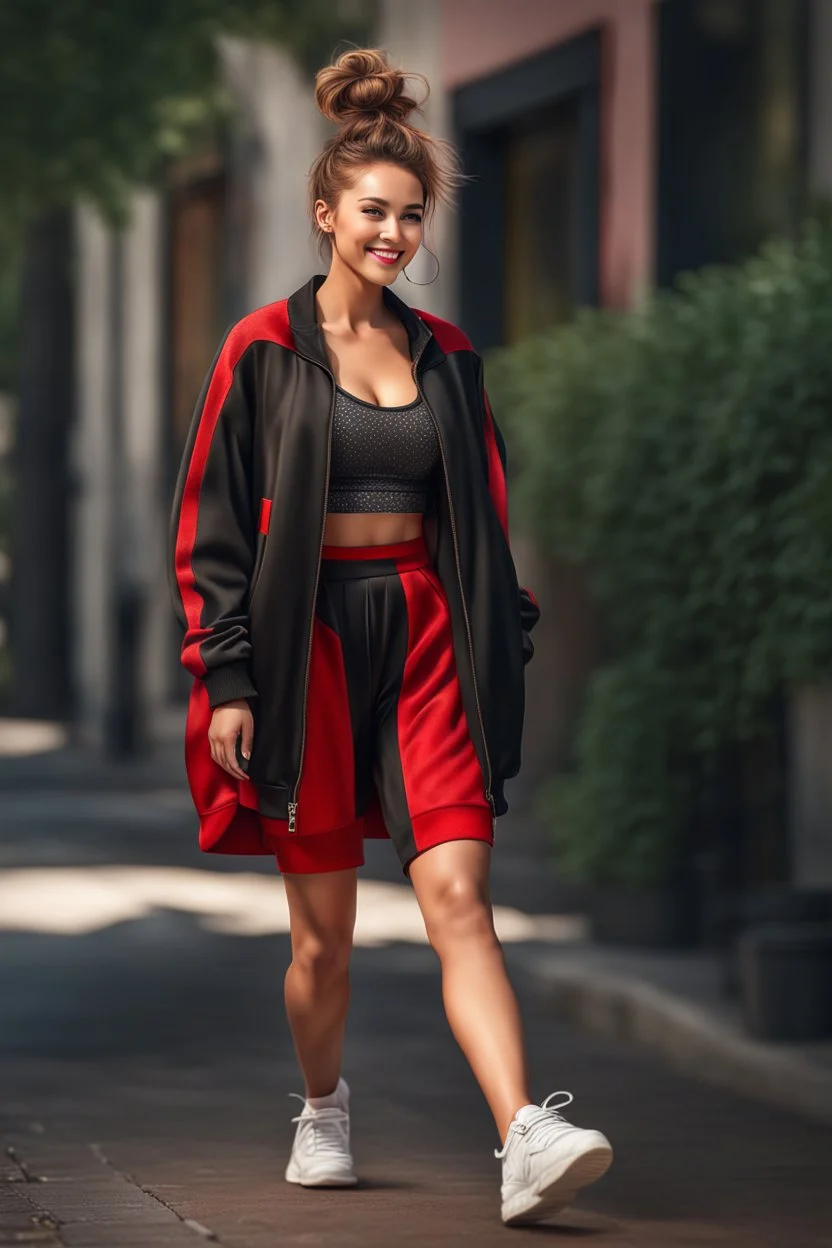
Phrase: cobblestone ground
(146, 1062)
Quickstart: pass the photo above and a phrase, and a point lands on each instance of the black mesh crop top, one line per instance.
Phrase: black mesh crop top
(383, 458)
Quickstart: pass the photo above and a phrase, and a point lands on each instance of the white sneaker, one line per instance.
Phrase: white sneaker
(546, 1160)
(321, 1150)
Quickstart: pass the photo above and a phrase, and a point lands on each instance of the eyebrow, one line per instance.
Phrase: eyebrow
(375, 200)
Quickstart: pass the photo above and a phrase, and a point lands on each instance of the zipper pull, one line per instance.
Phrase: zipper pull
(293, 810)
(493, 805)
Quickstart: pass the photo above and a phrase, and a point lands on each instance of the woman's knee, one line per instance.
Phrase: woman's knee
(323, 954)
(459, 908)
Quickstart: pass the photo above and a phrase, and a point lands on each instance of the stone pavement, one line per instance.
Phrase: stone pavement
(145, 1058)
(147, 1075)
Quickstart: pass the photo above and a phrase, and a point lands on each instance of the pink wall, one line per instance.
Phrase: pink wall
(480, 37)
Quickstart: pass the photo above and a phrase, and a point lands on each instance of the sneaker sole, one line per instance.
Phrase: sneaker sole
(557, 1189)
(323, 1180)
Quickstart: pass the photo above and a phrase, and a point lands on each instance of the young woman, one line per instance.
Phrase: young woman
(340, 566)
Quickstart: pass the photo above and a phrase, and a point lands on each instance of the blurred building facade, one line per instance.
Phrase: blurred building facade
(613, 143)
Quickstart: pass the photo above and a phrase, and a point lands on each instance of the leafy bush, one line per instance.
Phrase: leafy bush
(622, 816)
(683, 453)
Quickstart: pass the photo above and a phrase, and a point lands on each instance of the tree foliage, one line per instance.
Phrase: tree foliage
(94, 97)
(683, 454)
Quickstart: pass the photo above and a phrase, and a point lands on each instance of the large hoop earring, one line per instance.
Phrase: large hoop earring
(436, 274)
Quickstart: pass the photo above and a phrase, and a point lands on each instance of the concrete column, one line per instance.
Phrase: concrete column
(145, 504)
(91, 458)
(119, 521)
(820, 97)
(286, 132)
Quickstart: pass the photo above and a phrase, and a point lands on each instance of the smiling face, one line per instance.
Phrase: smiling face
(376, 226)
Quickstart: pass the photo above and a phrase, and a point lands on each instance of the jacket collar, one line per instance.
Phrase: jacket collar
(307, 332)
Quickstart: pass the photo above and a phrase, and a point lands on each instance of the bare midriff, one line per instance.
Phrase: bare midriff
(371, 528)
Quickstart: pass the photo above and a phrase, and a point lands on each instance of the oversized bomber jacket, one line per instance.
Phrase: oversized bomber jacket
(245, 543)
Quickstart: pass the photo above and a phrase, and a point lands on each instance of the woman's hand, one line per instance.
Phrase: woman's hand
(227, 723)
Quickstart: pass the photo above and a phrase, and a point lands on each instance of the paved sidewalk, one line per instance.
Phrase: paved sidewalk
(148, 1065)
(145, 1056)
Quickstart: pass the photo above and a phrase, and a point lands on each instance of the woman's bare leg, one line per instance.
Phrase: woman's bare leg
(451, 885)
(317, 986)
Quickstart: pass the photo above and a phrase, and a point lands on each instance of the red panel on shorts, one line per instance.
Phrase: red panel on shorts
(439, 763)
(326, 794)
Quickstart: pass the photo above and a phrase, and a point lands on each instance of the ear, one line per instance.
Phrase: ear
(323, 216)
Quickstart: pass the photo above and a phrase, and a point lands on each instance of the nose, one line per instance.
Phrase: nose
(389, 231)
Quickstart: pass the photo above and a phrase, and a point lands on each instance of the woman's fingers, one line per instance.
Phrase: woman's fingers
(224, 753)
(228, 725)
(229, 755)
(247, 736)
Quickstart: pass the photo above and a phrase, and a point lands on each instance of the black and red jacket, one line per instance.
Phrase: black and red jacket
(245, 544)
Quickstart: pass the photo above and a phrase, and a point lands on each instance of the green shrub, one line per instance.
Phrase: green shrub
(683, 454)
(621, 817)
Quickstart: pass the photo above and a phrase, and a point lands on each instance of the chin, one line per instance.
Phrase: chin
(380, 277)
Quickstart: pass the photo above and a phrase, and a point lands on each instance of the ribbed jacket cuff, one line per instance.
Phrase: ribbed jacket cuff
(229, 682)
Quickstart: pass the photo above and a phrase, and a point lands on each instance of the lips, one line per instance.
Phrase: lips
(384, 256)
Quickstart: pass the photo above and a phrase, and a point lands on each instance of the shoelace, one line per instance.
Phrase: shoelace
(329, 1127)
(540, 1125)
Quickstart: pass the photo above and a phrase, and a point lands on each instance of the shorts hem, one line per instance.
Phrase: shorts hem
(452, 823)
(340, 849)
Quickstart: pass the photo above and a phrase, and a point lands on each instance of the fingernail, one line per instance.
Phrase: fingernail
(246, 754)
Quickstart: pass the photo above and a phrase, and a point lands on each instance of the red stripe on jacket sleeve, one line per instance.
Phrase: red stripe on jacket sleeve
(269, 324)
(218, 388)
(496, 477)
(495, 450)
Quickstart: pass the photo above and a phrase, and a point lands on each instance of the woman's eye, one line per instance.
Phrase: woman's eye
(412, 216)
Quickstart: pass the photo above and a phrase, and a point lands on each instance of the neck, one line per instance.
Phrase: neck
(347, 302)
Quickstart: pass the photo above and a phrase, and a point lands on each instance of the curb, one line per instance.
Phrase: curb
(693, 1038)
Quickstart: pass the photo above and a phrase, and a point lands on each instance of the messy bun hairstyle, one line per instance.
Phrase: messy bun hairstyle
(366, 96)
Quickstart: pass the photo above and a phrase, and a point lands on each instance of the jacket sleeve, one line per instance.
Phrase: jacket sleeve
(212, 541)
(496, 458)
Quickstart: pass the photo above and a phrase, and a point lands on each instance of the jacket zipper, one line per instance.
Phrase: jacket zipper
(488, 794)
(293, 804)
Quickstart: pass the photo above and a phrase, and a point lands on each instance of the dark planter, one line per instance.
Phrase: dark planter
(779, 904)
(659, 917)
(785, 973)
(708, 872)
(783, 904)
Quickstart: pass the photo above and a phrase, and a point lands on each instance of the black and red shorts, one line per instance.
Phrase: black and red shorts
(386, 733)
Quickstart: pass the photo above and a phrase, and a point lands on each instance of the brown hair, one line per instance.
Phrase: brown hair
(366, 96)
